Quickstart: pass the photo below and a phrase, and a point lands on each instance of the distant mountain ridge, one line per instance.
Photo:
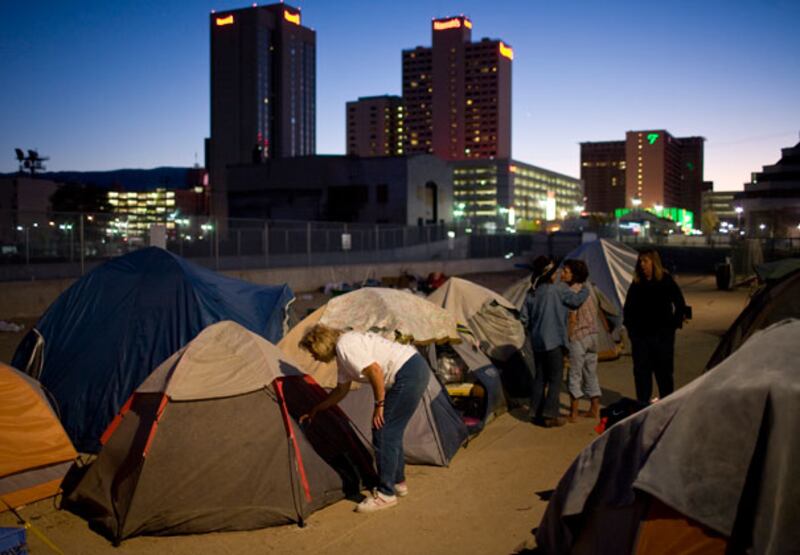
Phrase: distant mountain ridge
(128, 179)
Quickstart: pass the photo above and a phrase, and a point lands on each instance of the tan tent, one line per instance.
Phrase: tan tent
(35, 452)
(489, 316)
(210, 442)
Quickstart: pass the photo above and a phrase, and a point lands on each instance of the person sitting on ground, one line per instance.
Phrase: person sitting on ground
(544, 315)
(398, 376)
(583, 341)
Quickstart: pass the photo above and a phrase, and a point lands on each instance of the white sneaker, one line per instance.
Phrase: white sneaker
(401, 489)
(376, 502)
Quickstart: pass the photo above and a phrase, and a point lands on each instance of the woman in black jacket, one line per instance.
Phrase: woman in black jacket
(654, 309)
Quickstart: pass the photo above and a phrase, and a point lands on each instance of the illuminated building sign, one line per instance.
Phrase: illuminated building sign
(506, 51)
(652, 137)
(684, 218)
(452, 23)
(512, 168)
(225, 21)
(291, 17)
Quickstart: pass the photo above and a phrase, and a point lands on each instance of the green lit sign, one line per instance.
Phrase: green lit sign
(684, 218)
(690, 166)
(652, 137)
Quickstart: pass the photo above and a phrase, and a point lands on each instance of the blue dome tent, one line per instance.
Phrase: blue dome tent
(103, 336)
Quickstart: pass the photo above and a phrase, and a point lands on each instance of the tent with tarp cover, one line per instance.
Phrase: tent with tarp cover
(493, 322)
(492, 319)
(103, 336)
(211, 442)
(436, 430)
(708, 469)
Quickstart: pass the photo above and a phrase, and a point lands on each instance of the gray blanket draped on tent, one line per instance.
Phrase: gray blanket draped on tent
(720, 450)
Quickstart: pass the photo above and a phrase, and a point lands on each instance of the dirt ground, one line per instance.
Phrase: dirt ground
(486, 502)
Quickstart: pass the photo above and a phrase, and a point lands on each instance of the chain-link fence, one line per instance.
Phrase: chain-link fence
(55, 245)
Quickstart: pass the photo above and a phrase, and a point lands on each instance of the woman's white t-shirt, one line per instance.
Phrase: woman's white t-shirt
(355, 351)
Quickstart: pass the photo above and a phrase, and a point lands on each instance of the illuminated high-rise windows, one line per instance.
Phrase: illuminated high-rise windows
(371, 135)
(263, 90)
(457, 94)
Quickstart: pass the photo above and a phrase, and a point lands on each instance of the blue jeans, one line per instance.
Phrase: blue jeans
(549, 370)
(401, 403)
(583, 367)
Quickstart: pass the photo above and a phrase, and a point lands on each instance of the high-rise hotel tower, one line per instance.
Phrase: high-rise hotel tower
(457, 94)
(263, 91)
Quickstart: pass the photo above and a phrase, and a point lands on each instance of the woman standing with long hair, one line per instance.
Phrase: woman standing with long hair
(654, 309)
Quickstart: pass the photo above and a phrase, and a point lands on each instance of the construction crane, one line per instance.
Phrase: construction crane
(32, 162)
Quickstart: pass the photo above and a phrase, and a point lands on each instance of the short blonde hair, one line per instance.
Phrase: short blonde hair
(320, 341)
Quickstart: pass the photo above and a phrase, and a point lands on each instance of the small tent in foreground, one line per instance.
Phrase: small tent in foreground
(210, 442)
(708, 469)
(35, 453)
(102, 337)
(438, 431)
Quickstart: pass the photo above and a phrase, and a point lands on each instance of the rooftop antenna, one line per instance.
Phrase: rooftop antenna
(32, 162)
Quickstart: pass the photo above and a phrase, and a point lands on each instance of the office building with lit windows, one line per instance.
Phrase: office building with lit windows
(457, 94)
(721, 205)
(650, 169)
(263, 90)
(136, 211)
(498, 194)
(375, 126)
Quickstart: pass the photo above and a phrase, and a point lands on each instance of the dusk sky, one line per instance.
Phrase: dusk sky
(100, 85)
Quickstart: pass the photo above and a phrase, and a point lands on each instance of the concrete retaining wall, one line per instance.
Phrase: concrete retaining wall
(29, 299)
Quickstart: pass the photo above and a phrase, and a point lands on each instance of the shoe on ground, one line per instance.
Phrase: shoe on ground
(554, 422)
(376, 502)
(401, 489)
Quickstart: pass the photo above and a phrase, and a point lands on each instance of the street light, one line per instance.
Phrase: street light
(636, 202)
(738, 211)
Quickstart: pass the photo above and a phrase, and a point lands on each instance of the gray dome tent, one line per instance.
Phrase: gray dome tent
(210, 442)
